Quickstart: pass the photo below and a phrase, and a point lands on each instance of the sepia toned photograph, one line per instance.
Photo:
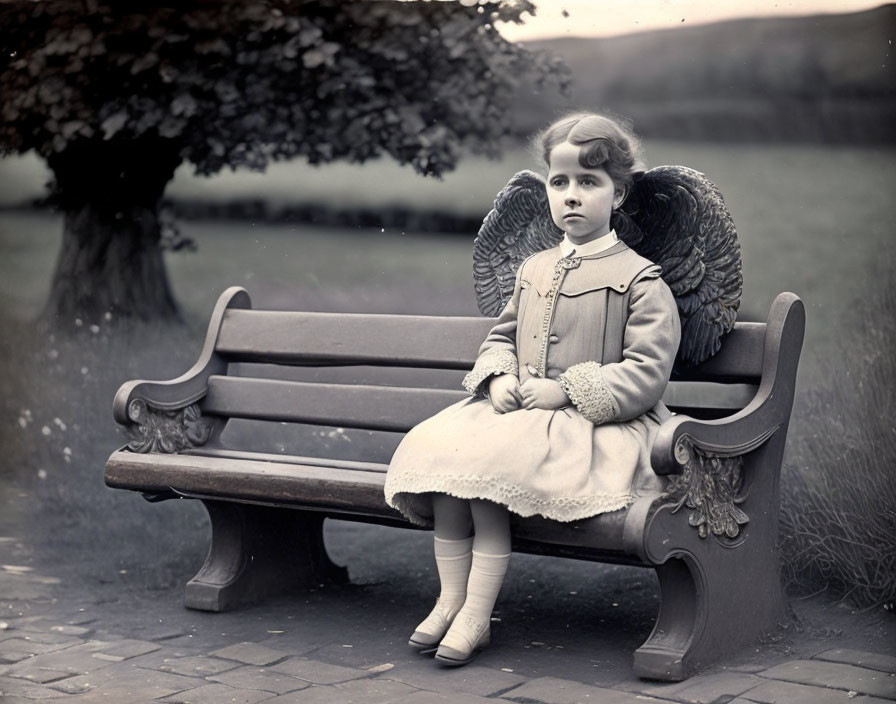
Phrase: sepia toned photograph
(426, 351)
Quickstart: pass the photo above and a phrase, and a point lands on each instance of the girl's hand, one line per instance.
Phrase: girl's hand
(543, 393)
(504, 392)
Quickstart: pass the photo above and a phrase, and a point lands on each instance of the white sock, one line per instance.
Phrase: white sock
(453, 559)
(486, 577)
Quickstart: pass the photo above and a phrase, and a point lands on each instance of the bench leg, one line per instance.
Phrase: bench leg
(259, 551)
(715, 600)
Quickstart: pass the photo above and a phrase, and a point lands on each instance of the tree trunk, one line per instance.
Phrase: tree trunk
(110, 261)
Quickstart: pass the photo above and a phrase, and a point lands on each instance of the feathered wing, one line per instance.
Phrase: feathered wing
(518, 226)
(676, 217)
(673, 216)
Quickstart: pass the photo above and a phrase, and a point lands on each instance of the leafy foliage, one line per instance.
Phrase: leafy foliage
(236, 83)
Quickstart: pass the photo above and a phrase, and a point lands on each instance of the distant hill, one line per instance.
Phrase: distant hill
(817, 78)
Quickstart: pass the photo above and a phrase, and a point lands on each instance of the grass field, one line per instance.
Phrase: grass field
(819, 222)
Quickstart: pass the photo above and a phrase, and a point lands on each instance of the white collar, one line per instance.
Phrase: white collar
(568, 248)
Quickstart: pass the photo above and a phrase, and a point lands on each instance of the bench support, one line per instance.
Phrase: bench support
(259, 551)
(718, 594)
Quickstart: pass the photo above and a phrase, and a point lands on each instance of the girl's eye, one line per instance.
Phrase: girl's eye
(588, 181)
(558, 182)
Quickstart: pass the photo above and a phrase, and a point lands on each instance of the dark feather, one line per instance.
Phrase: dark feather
(518, 226)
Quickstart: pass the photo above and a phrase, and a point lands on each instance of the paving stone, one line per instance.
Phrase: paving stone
(291, 641)
(82, 619)
(13, 657)
(318, 672)
(161, 634)
(423, 697)
(873, 661)
(217, 693)
(777, 692)
(334, 653)
(75, 660)
(126, 649)
(52, 638)
(41, 675)
(553, 690)
(149, 684)
(249, 677)
(31, 691)
(71, 630)
(835, 675)
(29, 646)
(251, 654)
(705, 689)
(155, 661)
(197, 666)
(373, 691)
(472, 679)
(750, 667)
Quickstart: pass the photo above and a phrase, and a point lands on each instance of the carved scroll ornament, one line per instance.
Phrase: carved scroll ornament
(710, 486)
(167, 431)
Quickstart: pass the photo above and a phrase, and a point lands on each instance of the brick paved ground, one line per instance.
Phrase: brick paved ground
(73, 641)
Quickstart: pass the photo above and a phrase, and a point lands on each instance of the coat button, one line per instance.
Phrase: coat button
(554, 338)
(532, 369)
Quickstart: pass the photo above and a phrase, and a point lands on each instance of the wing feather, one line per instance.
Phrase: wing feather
(518, 226)
(684, 226)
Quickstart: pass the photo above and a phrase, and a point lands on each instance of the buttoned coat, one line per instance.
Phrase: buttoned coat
(606, 328)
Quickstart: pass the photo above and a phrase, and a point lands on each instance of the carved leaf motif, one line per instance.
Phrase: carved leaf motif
(166, 431)
(710, 486)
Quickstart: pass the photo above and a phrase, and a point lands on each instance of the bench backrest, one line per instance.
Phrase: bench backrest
(389, 372)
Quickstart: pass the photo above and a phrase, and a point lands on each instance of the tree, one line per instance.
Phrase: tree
(115, 95)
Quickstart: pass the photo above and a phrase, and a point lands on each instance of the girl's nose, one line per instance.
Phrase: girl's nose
(572, 199)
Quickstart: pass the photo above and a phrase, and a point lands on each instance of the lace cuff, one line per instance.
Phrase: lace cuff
(585, 385)
(490, 363)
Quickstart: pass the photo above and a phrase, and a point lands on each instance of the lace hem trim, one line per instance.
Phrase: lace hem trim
(401, 493)
(490, 363)
(585, 385)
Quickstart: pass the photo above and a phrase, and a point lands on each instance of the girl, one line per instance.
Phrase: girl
(565, 393)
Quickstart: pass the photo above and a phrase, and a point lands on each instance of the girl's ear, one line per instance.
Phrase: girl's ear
(619, 198)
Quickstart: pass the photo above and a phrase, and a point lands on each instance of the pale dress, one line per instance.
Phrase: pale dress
(606, 327)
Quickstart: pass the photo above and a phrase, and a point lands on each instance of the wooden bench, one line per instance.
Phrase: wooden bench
(289, 418)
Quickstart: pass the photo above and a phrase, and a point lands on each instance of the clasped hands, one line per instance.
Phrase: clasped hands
(507, 394)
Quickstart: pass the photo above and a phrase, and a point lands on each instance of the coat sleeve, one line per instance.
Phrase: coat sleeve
(497, 355)
(624, 390)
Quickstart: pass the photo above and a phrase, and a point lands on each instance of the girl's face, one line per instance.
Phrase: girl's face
(581, 199)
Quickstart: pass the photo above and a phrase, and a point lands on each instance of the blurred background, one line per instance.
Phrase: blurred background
(788, 107)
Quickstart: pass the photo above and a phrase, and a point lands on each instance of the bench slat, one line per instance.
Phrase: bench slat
(397, 409)
(371, 407)
(277, 483)
(738, 360)
(445, 342)
(348, 338)
(227, 453)
(684, 396)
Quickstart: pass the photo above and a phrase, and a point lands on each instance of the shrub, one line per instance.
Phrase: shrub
(838, 512)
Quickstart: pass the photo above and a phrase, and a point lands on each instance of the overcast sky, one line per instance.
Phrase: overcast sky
(596, 18)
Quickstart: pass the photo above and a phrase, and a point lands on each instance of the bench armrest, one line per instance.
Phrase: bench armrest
(133, 396)
(761, 418)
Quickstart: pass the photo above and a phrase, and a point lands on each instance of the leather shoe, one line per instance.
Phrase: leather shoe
(432, 629)
(455, 657)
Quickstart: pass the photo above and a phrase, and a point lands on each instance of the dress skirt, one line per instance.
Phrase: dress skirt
(552, 463)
